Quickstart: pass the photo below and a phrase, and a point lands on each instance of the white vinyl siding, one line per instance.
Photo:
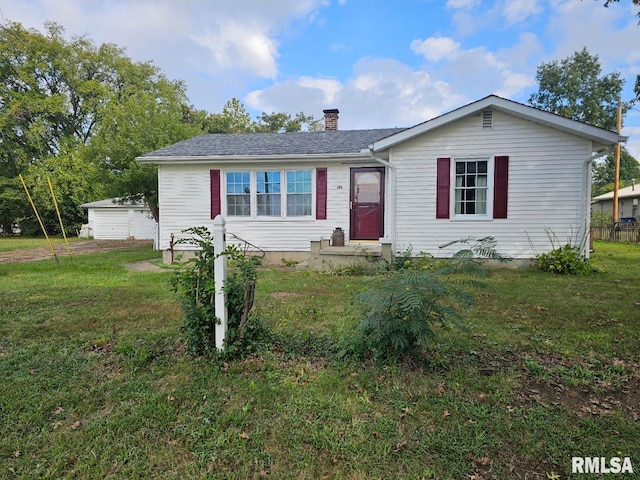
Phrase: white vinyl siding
(546, 185)
(185, 203)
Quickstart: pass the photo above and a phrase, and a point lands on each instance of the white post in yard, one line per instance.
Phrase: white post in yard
(220, 277)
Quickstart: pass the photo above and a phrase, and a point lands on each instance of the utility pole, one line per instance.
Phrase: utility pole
(616, 178)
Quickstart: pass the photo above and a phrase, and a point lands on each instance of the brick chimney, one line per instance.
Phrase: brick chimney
(331, 119)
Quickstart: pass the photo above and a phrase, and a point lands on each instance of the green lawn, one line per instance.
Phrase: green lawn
(96, 382)
(10, 243)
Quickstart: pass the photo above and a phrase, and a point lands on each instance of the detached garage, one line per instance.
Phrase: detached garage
(109, 220)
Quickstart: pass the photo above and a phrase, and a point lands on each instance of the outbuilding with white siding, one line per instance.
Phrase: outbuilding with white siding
(112, 219)
(490, 168)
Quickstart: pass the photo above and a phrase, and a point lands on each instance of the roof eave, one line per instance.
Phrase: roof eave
(186, 159)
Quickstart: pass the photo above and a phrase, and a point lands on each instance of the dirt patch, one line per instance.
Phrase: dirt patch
(284, 295)
(582, 403)
(587, 387)
(76, 248)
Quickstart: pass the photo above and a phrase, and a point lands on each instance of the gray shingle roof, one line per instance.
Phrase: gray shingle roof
(294, 143)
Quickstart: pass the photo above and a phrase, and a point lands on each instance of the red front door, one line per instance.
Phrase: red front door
(367, 203)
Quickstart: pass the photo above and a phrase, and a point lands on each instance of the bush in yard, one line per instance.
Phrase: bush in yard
(402, 311)
(601, 219)
(194, 283)
(565, 260)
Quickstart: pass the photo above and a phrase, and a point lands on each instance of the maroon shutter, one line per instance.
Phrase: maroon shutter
(442, 187)
(216, 206)
(321, 193)
(500, 187)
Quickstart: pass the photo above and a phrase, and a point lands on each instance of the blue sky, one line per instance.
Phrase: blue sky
(381, 63)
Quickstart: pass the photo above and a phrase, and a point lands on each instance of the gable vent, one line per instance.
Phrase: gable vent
(487, 118)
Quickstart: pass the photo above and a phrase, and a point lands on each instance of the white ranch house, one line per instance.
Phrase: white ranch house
(490, 168)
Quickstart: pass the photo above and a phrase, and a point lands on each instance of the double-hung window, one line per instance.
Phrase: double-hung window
(239, 194)
(269, 193)
(299, 193)
(471, 187)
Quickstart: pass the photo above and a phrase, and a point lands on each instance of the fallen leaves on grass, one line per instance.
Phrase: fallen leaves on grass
(399, 446)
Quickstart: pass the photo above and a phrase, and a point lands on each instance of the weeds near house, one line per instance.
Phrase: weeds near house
(564, 259)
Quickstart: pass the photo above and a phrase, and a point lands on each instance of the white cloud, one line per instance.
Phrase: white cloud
(240, 46)
(329, 87)
(612, 33)
(478, 71)
(514, 83)
(217, 47)
(516, 11)
(380, 93)
(455, 4)
(435, 48)
(633, 145)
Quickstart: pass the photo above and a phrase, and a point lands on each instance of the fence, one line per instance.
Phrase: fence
(618, 232)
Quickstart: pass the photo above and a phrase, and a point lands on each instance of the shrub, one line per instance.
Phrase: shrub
(195, 285)
(403, 309)
(565, 260)
(601, 219)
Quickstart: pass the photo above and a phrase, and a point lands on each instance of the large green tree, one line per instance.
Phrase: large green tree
(235, 118)
(284, 122)
(575, 88)
(146, 113)
(80, 113)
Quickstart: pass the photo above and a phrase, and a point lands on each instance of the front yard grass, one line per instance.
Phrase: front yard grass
(10, 243)
(96, 382)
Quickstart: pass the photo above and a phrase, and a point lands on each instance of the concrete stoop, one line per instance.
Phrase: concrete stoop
(324, 256)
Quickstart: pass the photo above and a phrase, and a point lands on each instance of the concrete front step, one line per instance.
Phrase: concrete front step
(323, 256)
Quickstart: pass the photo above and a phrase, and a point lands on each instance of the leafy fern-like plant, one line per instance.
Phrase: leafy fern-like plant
(402, 311)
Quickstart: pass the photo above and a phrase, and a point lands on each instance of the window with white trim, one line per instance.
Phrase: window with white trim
(239, 194)
(269, 193)
(299, 193)
(471, 187)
